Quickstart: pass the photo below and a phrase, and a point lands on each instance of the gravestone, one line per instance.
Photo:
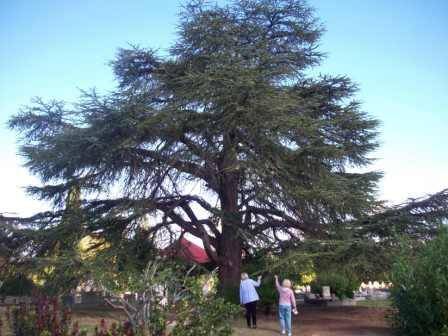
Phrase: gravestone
(326, 293)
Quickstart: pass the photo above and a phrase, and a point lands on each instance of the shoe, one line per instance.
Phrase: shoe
(254, 327)
(283, 332)
(289, 334)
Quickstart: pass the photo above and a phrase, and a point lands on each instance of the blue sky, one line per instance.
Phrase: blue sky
(396, 51)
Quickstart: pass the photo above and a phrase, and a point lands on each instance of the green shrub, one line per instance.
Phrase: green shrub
(420, 287)
(17, 285)
(171, 298)
(341, 284)
(206, 315)
(443, 332)
(268, 295)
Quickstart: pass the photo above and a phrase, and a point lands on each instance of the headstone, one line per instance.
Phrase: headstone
(10, 300)
(326, 294)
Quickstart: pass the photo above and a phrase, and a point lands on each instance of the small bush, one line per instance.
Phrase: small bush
(268, 295)
(45, 318)
(206, 315)
(443, 332)
(420, 287)
(341, 284)
(17, 285)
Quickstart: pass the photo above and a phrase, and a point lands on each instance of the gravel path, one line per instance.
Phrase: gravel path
(345, 321)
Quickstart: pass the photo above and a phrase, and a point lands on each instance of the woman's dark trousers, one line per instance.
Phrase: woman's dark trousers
(251, 313)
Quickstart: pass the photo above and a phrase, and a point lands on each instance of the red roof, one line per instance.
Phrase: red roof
(188, 250)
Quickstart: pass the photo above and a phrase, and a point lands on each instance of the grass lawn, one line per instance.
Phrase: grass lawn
(374, 303)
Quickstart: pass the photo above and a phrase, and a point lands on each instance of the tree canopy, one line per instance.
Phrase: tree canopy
(226, 136)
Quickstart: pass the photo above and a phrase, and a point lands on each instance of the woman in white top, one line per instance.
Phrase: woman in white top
(249, 298)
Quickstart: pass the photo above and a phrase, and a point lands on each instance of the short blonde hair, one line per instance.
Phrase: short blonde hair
(244, 276)
(286, 283)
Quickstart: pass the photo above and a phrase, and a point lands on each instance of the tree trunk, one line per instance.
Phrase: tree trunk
(229, 243)
(229, 259)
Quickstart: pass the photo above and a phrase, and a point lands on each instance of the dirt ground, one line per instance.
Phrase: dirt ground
(312, 321)
(343, 321)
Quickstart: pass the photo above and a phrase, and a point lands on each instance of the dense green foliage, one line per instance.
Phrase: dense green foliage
(268, 295)
(204, 315)
(341, 284)
(290, 264)
(420, 289)
(16, 285)
(367, 247)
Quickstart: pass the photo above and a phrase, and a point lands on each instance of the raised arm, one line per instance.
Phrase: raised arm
(258, 282)
(277, 285)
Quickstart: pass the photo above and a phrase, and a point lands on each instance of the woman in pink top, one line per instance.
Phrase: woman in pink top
(287, 303)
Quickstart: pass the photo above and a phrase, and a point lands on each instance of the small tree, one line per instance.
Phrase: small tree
(170, 298)
(420, 287)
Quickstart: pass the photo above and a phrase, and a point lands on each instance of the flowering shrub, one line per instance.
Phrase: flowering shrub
(194, 314)
(47, 319)
(43, 319)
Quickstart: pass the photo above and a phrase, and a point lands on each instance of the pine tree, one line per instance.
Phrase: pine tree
(227, 137)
